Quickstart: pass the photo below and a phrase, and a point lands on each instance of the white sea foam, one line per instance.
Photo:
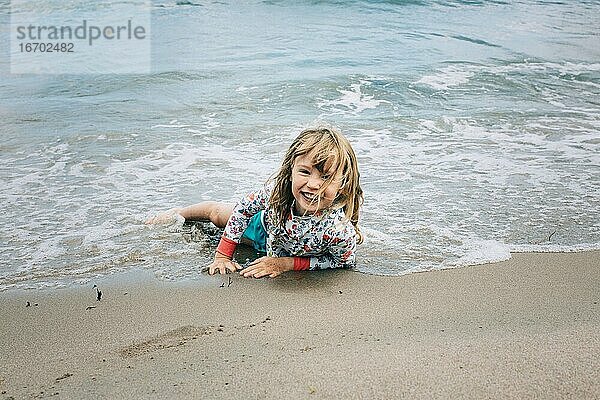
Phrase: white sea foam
(553, 248)
(352, 101)
(447, 77)
(242, 89)
(452, 76)
(169, 126)
(481, 252)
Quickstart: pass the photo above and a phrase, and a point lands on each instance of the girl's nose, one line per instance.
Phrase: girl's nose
(314, 182)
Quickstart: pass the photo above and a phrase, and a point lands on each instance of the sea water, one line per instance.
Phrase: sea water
(476, 125)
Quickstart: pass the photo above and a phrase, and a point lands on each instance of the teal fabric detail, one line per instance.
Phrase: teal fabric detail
(256, 232)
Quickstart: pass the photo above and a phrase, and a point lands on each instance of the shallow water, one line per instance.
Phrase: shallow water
(476, 125)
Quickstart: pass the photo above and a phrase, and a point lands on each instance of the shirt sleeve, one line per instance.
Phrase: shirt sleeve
(341, 252)
(240, 217)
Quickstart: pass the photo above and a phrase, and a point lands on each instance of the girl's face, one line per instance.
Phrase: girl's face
(306, 182)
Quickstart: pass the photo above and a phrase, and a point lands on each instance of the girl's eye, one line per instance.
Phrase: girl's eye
(303, 171)
(325, 177)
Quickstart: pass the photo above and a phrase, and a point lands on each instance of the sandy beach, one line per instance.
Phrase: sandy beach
(524, 328)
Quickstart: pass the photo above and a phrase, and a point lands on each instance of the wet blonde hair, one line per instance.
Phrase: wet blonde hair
(326, 144)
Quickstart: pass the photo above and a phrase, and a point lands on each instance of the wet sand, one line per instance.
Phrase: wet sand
(524, 328)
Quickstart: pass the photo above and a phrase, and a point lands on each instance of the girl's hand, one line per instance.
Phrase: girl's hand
(222, 264)
(268, 266)
(164, 217)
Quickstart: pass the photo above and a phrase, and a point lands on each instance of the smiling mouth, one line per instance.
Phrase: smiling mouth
(311, 198)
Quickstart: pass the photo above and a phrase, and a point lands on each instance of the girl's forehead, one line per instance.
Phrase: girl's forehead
(310, 160)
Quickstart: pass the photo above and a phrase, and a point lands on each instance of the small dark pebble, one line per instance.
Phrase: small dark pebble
(340, 292)
(441, 330)
(27, 305)
(226, 383)
(252, 325)
(220, 330)
(35, 305)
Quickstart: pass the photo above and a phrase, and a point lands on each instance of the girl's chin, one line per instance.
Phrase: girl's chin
(305, 209)
(301, 211)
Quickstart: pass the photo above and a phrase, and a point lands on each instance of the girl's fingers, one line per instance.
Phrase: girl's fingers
(212, 269)
(257, 261)
(249, 268)
(233, 266)
(258, 274)
(246, 273)
(258, 269)
(261, 274)
(222, 267)
(250, 271)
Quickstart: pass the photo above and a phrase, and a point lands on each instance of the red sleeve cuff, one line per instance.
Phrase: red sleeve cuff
(226, 247)
(301, 263)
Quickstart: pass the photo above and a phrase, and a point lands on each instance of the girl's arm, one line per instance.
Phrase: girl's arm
(268, 266)
(341, 254)
(240, 217)
(237, 222)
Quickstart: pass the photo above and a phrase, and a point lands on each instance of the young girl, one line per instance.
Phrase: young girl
(306, 217)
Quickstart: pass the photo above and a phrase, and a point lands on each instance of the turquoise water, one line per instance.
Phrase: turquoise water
(476, 124)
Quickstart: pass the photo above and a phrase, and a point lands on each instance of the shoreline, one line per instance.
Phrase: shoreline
(143, 276)
(525, 327)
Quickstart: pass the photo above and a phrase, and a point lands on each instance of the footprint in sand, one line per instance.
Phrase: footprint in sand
(174, 338)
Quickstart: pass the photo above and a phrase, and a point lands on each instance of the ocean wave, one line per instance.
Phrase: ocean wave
(456, 75)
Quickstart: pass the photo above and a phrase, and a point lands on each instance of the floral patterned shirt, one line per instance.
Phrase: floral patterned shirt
(327, 238)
